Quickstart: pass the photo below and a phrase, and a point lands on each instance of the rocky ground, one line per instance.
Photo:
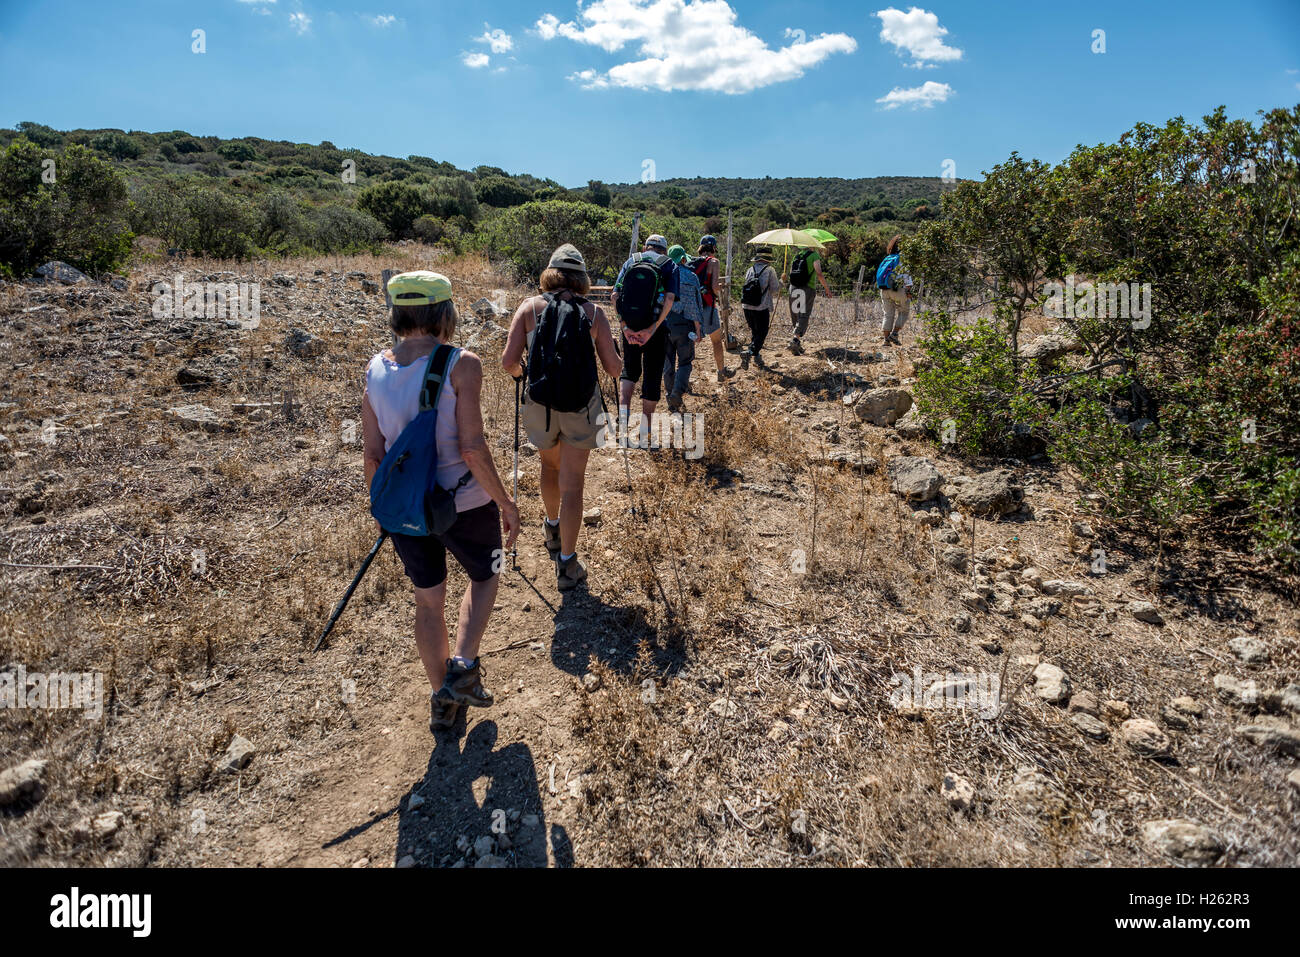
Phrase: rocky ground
(824, 641)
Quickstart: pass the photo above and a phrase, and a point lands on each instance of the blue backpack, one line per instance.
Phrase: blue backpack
(405, 497)
(885, 272)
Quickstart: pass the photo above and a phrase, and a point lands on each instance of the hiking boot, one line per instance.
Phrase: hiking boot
(465, 685)
(758, 360)
(569, 574)
(796, 347)
(552, 533)
(442, 713)
(724, 374)
(675, 404)
(744, 359)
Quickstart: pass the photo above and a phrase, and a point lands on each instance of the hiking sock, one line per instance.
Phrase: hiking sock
(553, 522)
(460, 662)
(565, 558)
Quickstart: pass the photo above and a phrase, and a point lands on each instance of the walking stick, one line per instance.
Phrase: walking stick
(514, 551)
(343, 602)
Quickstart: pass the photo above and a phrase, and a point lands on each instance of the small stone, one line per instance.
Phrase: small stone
(100, 827)
(778, 730)
(960, 622)
(591, 682)
(1117, 710)
(491, 860)
(483, 846)
(1085, 702)
(1050, 683)
(238, 754)
(1143, 737)
(1249, 650)
(724, 708)
(1090, 726)
(957, 791)
(406, 861)
(591, 516)
(462, 843)
(529, 820)
(1242, 694)
(415, 802)
(1283, 699)
(1182, 839)
(24, 782)
(1065, 589)
(1274, 733)
(1145, 611)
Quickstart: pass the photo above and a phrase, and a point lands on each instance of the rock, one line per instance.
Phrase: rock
(491, 860)
(1050, 683)
(238, 754)
(1187, 705)
(529, 820)
(1084, 702)
(960, 622)
(1283, 699)
(724, 708)
(23, 783)
(1145, 611)
(61, 272)
(930, 517)
(1033, 792)
(369, 285)
(406, 861)
(591, 682)
(1274, 733)
(1042, 608)
(946, 536)
(415, 801)
(957, 791)
(198, 417)
(1242, 694)
(883, 406)
(1145, 738)
(1117, 710)
(916, 479)
(303, 344)
(483, 846)
(955, 557)
(1065, 589)
(463, 843)
(1182, 839)
(852, 460)
(1049, 347)
(910, 426)
(101, 827)
(779, 652)
(990, 494)
(1249, 650)
(486, 309)
(1090, 726)
(284, 279)
(490, 338)
(591, 516)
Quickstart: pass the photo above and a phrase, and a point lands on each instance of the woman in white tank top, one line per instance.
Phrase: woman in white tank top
(423, 318)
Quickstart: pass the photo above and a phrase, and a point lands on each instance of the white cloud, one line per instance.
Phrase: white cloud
(686, 45)
(383, 20)
(918, 34)
(256, 1)
(498, 40)
(926, 95)
(475, 61)
(300, 22)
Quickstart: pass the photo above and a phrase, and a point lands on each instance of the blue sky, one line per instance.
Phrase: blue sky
(700, 87)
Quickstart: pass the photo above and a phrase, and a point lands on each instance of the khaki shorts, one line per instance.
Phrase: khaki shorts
(581, 430)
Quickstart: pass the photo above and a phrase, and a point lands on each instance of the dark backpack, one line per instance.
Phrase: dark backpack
(751, 294)
(405, 497)
(800, 272)
(639, 295)
(562, 360)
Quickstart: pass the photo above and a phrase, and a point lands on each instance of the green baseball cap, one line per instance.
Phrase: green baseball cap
(677, 254)
(419, 288)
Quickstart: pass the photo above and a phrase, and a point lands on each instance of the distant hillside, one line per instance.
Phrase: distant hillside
(818, 191)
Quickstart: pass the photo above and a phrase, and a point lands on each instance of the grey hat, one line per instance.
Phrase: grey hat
(568, 257)
(763, 254)
(657, 242)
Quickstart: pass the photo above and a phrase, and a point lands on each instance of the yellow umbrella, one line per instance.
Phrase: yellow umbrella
(787, 238)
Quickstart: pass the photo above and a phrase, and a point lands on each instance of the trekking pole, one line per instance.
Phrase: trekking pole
(514, 551)
(343, 602)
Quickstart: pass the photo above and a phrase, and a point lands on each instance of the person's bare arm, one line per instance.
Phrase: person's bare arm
(467, 380)
(822, 276)
(513, 357)
(605, 349)
(372, 440)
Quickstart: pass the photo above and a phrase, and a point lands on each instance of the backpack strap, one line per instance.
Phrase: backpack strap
(434, 375)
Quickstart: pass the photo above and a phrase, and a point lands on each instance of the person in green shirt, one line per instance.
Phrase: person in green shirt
(803, 296)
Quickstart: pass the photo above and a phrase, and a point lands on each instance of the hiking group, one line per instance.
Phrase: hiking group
(434, 487)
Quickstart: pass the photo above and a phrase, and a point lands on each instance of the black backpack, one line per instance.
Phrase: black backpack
(751, 294)
(800, 271)
(639, 295)
(562, 360)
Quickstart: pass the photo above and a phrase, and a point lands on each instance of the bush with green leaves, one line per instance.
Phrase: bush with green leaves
(501, 191)
(81, 217)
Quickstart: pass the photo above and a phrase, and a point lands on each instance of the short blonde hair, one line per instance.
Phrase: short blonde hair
(553, 280)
